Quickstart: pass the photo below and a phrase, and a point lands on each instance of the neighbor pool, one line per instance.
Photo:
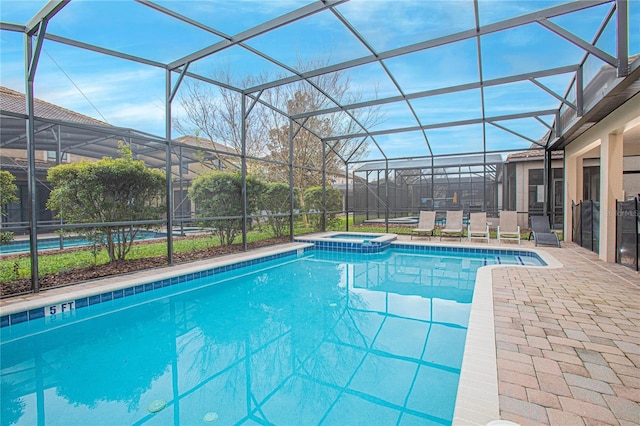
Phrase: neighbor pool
(23, 246)
(315, 337)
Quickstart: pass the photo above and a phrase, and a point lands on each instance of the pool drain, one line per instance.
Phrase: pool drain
(210, 417)
(156, 405)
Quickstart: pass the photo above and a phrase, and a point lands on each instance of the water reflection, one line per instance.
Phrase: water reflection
(320, 340)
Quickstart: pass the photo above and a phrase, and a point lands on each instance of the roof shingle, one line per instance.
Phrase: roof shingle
(15, 102)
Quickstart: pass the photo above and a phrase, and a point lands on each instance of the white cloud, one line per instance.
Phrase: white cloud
(386, 25)
(147, 117)
(101, 91)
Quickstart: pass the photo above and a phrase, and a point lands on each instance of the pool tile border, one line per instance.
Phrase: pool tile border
(152, 284)
(351, 247)
(327, 241)
(442, 249)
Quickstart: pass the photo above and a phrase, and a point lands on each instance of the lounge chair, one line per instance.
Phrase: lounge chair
(508, 227)
(541, 231)
(453, 226)
(426, 224)
(478, 226)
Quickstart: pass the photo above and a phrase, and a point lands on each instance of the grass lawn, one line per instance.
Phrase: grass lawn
(20, 267)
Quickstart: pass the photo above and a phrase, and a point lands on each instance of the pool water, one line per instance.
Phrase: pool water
(325, 338)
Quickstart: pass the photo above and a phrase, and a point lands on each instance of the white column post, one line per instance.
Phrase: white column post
(573, 183)
(611, 166)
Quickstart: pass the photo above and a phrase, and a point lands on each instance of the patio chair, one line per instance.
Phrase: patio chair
(478, 226)
(541, 231)
(508, 227)
(426, 224)
(453, 225)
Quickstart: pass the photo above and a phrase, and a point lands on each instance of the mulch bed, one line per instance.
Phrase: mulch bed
(23, 285)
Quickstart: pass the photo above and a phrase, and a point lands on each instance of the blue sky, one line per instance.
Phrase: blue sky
(128, 94)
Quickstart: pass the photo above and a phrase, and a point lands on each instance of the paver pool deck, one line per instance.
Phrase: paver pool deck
(567, 339)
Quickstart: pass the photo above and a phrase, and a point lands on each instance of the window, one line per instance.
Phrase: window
(51, 156)
(536, 191)
(184, 166)
(510, 188)
(591, 183)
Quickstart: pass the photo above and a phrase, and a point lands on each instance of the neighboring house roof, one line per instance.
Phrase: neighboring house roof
(205, 143)
(337, 172)
(18, 165)
(85, 136)
(13, 101)
(437, 162)
(533, 155)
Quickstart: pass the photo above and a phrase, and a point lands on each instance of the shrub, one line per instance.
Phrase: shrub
(8, 191)
(218, 195)
(274, 200)
(108, 190)
(313, 204)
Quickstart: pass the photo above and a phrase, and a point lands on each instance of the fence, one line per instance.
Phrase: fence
(627, 233)
(586, 224)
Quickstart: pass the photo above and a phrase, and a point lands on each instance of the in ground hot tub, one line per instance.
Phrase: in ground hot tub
(354, 242)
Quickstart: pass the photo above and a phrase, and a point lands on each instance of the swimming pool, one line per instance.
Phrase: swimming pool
(408, 220)
(309, 338)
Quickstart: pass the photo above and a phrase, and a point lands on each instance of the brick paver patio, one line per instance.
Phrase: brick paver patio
(568, 341)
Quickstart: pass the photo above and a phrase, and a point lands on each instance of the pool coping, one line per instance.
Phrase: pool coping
(477, 401)
(380, 237)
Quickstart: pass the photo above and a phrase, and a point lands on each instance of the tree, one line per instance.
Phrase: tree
(218, 195)
(213, 113)
(8, 191)
(313, 204)
(300, 97)
(108, 190)
(216, 114)
(275, 200)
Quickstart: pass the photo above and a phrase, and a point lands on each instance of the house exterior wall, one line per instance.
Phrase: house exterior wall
(41, 156)
(18, 212)
(522, 168)
(604, 140)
